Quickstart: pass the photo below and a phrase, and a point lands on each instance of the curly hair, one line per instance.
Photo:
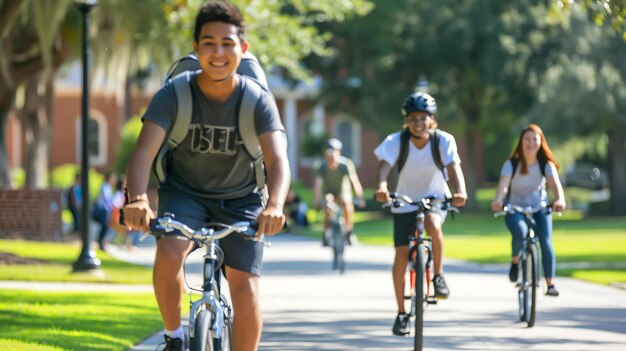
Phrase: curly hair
(220, 11)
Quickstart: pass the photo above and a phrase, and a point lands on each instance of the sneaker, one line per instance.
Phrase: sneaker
(514, 272)
(441, 288)
(401, 325)
(326, 238)
(172, 344)
(552, 291)
(349, 237)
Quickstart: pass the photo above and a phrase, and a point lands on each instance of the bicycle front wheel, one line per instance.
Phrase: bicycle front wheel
(202, 339)
(338, 247)
(533, 269)
(418, 266)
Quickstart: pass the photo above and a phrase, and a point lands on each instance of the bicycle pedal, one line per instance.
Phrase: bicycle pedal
(408, 297)
(431, 300)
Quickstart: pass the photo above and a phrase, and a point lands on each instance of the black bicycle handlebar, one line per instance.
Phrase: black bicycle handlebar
(527, 211)
(399, 200)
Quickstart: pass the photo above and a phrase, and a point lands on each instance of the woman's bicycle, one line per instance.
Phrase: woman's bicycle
(422, 292)
(211, 316)
(529, 260)
(337, 237)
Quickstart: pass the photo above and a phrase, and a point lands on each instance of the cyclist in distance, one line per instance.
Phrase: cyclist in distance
(523, 182)
(335, 178)
(419, 177)
(210, 176)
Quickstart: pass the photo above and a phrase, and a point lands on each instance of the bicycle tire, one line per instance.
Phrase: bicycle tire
(534, 280)
(418, 265)
(338, 246)
(524, 293)
(227, 337)
(202, 339)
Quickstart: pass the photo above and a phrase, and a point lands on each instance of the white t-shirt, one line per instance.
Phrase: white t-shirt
(420, 177)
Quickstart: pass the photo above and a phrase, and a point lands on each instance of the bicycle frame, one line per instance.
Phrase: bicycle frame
(420, 258)
(529, 261)
(211, 300)
(338, 237)
(418, 241)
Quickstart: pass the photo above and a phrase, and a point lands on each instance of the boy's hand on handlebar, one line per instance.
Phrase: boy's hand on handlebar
(137, 215)
(459, 199)
(270, 221)
(497, 205)
(382, 195)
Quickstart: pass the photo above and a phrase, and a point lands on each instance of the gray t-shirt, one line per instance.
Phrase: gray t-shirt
(337, 181)
(528, 189)
(211, 161)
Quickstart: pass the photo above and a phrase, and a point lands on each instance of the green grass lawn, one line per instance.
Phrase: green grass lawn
(47, 321)
(42, 321)
(58, 267)
(599, 242)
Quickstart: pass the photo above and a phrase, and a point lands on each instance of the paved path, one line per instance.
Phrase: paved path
(306, 306)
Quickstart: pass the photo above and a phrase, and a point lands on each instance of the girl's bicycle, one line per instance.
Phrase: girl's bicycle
(422, 293)
(529, 260)
(211, 316)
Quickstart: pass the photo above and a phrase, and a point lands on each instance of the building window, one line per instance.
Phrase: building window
(94, 139)
(348, 130)
(97, 144)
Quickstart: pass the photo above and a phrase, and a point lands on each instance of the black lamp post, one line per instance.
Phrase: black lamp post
(422, 85)
(87, 260)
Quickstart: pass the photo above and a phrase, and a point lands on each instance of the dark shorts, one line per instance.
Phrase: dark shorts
(239, 253)
(404, 224)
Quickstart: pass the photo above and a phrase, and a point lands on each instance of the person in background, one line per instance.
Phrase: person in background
(75, 202)
(523, 181)
(420, 178)
(335, 178)
(103, 207)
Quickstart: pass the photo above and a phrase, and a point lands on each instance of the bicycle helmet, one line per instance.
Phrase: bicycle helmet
(334, 144)
(419, 102)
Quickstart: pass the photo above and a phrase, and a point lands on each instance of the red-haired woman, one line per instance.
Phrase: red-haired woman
(523, 182)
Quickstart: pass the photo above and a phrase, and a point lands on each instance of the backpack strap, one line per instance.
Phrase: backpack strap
(435, 136)
(405, 138)
(394, 172)
(245, 109)
(514, 163)
(180, 126)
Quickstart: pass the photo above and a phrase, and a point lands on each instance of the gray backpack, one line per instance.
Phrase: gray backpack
(254, 84)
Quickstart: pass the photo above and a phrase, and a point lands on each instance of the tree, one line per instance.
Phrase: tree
(610, 13)
(31, 47)
(480, 58)
(38, 34)
(584, 93)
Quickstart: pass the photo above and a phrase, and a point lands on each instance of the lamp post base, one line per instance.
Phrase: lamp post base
(86, 262)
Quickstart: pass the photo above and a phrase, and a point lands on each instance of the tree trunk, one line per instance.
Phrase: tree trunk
(5, 107)
(617, 151)
(35, 122)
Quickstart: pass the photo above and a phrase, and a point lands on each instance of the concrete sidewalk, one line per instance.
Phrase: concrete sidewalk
(307, 306)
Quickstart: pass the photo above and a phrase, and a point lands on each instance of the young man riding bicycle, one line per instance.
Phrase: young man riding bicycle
(335, 178)
(419, 177)
(210, 177)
